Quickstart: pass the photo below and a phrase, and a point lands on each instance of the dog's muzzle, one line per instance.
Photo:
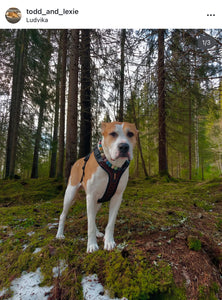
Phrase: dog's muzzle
(123, 150)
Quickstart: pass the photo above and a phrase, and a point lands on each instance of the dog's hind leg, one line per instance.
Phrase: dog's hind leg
(69, 199)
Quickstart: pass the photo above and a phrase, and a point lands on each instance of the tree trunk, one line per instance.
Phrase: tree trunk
(202, 169)
(136, 172)
(15, 107)
(37, 143)
(196, 143)
(64, 33)
(178, 165)
(54, 145)
(71, 135)
(163, 168)
(122, 62)
(138, 139)
(190, 139)
(86, 117)
(41, 101)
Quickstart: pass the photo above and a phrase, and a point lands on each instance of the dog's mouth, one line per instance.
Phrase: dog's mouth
(122, 155)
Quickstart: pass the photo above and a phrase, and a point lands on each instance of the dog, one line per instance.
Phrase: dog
(104, 175)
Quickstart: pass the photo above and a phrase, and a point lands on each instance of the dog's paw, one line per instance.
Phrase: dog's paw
(109, 245)
(60, 236)
(99, 234)
(92, 248)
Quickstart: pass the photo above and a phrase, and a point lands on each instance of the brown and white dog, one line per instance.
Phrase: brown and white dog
(118, 141)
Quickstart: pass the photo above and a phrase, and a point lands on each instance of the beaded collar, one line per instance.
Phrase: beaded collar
(106, 160)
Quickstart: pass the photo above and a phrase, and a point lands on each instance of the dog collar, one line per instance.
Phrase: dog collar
(114, 173)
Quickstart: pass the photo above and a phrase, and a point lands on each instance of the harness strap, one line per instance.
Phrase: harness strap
(113, 175)
(84, 166)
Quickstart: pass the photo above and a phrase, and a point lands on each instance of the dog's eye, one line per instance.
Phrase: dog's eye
(130, 134)
(113, 134)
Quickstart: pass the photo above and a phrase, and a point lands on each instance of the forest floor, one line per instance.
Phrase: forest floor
(168, 235)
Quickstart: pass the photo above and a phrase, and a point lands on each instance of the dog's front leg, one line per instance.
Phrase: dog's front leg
(115, 202)
(98, 233)
(91, 214)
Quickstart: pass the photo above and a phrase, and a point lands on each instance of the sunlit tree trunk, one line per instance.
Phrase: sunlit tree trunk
(34, 173)
(138, 139)
(54, 144)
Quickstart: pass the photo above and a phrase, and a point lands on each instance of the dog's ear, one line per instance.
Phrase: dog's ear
(103, 127)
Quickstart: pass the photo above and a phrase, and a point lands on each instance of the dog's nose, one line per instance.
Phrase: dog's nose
(123, 147)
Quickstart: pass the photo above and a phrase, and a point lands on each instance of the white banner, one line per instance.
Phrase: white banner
(111, 14)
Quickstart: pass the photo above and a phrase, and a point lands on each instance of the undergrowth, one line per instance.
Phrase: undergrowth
(130, 274)
(29, 210)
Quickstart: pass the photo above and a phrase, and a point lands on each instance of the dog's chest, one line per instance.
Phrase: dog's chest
(97, 184)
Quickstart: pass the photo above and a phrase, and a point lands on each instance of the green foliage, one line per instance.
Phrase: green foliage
(194, 243)
(208, 294)
(219, 224)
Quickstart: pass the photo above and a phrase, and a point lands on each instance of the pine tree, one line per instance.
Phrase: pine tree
(72, 113)
(54, 143)
(17, 95)
(86, 114)
(163, 168)
(43, 95)
(122, 77)
(60, 166)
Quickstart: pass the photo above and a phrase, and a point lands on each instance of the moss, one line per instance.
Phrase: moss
(194, 243)
(219, 224)
(206, 293)
(133, 277)
(147, 207)
(31, 190)
(175, 293)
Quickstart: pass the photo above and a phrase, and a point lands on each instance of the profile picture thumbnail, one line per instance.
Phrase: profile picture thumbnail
(13, 15)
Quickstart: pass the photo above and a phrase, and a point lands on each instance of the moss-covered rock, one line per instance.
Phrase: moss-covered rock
(132, 276)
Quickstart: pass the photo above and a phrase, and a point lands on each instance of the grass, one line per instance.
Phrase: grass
(155, 218)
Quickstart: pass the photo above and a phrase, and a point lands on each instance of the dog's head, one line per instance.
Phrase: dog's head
(119, 140)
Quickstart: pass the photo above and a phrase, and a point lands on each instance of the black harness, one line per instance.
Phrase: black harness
(113, 175)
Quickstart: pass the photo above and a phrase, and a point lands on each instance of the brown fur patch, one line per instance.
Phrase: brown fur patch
(90, 169)
(77, 171)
